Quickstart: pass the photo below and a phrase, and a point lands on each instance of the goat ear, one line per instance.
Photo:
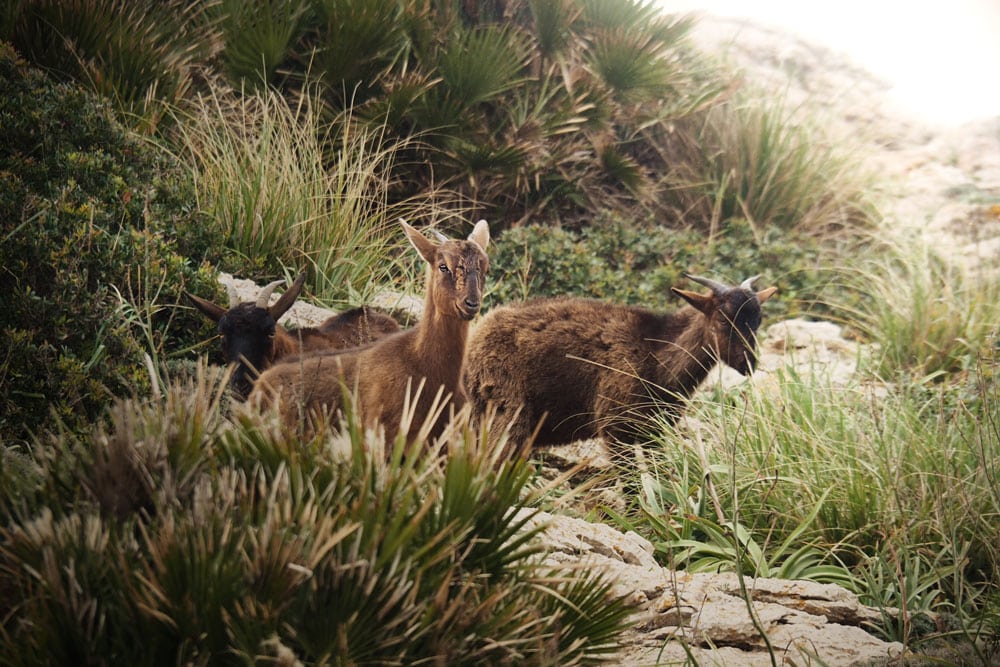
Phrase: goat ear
(481, 234)
(702, 302)
(286, 300)
(426, 247)
(766, 294)
(210, 310)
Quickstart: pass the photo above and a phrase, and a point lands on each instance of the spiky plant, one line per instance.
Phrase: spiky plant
(930, 317)
(138, 54)
(352, 46)
(762, 164)
(257, 37)
(175, 534)
(287, 188)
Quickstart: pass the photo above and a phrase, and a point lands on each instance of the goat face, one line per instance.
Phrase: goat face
(734, 316)
(248, 329)
(734, 329)
(458, 270)
(247, 340)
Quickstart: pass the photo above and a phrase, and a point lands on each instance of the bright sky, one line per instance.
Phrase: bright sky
(942, 57)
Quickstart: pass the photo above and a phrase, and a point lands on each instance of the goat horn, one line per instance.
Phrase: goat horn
(282, 305)
(748, 283)
(265, 294)
(234, 296)
(714, 285)
(439, 236)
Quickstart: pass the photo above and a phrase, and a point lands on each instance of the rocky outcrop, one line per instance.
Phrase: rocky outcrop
(707, 616)
(304, 314)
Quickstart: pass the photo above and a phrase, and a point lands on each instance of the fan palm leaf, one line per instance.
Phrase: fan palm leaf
(357, 43)
(482, 63)
(258, 36)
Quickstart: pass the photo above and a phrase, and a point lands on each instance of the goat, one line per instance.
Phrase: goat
(386, 373)
(253, 341)
(586, 368)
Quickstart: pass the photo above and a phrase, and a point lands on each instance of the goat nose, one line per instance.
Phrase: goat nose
(473, 304)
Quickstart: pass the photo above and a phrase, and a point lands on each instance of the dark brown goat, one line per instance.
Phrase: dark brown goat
(586, 368)
(387, 372)
(253, 340)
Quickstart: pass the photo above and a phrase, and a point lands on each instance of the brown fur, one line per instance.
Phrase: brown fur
(253, 341)
(588, 368)
(307, 392)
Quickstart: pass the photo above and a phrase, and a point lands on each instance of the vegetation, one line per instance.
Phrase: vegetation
(143, 518)
(887, 487)
(632, 263)
(524, 109)
(175, 535)
(89, 252)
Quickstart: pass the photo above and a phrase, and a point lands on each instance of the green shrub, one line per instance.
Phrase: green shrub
(89, 271)
(636, 263)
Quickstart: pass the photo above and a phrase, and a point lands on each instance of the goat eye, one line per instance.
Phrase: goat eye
(444, 268)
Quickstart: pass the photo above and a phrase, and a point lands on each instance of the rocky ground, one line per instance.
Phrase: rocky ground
(942, 185)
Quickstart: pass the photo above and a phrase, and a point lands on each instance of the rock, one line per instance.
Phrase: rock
(301, 314)
(568, 535)
(304, 314)
(706, 615)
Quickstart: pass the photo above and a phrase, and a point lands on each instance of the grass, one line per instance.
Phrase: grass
(771, 166)
(929, 316)
(280, 201)
(887, 486)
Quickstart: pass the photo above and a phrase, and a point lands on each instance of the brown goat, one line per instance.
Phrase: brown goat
(389, 371)
(253, 340)
(586, 368)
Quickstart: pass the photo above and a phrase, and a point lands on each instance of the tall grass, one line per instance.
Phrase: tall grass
(929, 316)
(770, 165)
(890, 489)
(894, 495)
(287, 189)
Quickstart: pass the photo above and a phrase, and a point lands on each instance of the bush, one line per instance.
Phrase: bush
(638, 263)
(90, 272)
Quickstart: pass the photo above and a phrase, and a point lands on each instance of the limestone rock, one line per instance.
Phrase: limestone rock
(301, 314)
(707, 615)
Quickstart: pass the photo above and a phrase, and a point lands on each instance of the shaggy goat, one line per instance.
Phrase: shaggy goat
(586, 368)
(385, 372)
(252, 339)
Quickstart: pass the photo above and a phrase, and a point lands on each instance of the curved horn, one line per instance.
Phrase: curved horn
(265, 294)
(439, 236)
(234, 296)
(715, 286)
(282, 305)
(748, 283)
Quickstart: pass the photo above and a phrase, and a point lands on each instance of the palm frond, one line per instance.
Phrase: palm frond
(553, 21)
(359, 41)
(141, 55)
(258, 36)
(482, 63)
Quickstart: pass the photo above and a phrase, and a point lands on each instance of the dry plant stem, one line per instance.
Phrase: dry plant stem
(744, 591)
